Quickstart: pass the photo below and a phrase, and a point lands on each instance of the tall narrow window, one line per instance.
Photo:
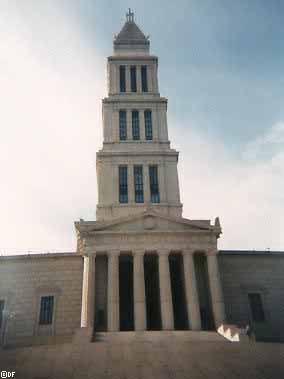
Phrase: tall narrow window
(2, 303)
(256, 307)
(133, 80)
(122, 125)
(144, 79)
(138, 184)
(148, 125)
(123, 187)
(135, 125)
(46, 310)
(154, 186)
(122, 78)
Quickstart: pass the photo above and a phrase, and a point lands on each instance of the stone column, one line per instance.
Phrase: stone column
(139, 79)
(127, 79)
(215, 288)
(142, 124)
(131, 194)
(165, 291)
(113, 291)
(192, 301)
(129, 125)
(139, 290)
(88, 292)
(146, 184)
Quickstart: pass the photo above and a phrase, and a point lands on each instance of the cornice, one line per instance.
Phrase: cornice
(37, 256)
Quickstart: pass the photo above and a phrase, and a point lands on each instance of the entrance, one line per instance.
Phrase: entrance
(126, 304)
(201, 271)
(152, 292)
(178, 292)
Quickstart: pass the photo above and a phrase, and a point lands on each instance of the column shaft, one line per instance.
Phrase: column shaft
(192, 300)
(88, 292)
(165, 291)
(139, 291)
(216, 289)
(113, 292)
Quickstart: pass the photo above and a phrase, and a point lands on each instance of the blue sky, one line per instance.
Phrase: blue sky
(221, 67)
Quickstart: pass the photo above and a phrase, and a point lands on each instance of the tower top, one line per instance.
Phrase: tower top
(129, 16)
(131, 40)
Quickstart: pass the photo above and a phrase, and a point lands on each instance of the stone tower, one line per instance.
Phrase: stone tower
(135, 131)
(145, 267)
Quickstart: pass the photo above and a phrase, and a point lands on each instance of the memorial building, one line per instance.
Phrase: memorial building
(140, 266)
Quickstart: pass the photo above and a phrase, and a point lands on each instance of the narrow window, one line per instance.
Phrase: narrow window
(144, 79)
(133, 79)
(256, 307)
(148, 125)
(123, 187)
(135, 125)
(46, 310)
(138, 184)
(154, 186)
(2, 303)
(122, 78)
(122, 125)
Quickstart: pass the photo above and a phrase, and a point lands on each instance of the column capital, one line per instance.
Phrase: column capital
(139, 252)
(188, 252)
(89, 252)
(113, 253)
(211, 251)
(164, 252)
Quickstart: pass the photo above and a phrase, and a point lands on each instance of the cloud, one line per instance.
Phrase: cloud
(245, 190)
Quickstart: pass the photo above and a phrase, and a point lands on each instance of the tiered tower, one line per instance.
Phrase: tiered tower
(136, 167)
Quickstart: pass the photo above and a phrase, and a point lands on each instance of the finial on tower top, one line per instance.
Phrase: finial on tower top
(130, 16)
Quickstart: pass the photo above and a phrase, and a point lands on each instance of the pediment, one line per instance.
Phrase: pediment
(147, 221)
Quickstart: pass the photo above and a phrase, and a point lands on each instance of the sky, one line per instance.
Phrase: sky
(221, 68)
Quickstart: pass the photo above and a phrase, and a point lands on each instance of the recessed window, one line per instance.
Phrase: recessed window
(144, 82)
(135, 125)
(46, 310)
(122, 125)
(148, 125)
(138, 184)
(133, 80)
(256, 307)
(122, 78)
(2, 303)
(123, 187)
(154, 185)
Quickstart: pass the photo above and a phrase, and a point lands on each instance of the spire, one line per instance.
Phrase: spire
(131, 39)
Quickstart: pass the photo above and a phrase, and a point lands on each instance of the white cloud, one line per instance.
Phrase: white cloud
(246, 191)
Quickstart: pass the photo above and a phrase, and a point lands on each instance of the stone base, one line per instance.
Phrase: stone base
(149, 355)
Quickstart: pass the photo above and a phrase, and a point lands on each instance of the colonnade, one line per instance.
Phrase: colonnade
(166, 306)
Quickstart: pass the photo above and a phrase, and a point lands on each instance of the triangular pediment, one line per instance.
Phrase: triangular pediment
(148, 220)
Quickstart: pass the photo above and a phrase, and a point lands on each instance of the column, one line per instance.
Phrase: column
(139, 290)
(127, 79)
(146, 184)
(215, 288)
(88, 292)
(131, 197)
(113, 291)
(139, 79)
(165, 291)
(142, 124)
(129, 125)
(192, 301)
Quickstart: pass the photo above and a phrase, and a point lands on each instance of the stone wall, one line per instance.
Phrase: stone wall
(261, 272)
(24, 279)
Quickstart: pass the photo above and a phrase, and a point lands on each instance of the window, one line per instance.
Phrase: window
(122, 125)
(138, 184)
(256, 307)
(2, 303)
(144, 78)
(148, 125)
(135, 125)
(122, 78)
(154, 187)
(133, 80)
(123, 188)
(46, 310)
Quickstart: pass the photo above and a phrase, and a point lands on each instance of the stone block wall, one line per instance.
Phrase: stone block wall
(24, 279)
(254, 272)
